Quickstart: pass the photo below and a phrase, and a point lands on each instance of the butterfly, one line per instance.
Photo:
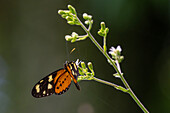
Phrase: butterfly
(57, 82)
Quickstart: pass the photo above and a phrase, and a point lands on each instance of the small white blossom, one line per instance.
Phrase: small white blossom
(77, 62)
(119, 48)
(114, 51)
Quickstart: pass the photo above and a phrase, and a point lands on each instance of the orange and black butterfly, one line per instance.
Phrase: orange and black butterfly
(57, 82)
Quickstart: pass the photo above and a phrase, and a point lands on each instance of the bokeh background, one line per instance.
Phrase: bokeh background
(32, 45)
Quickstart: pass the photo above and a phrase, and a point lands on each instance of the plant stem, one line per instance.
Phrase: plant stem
(132, 93)
(104, 44)
(105, 82)
(115, 67)
(137, 101)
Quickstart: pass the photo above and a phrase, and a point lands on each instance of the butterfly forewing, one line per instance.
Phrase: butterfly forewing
(45, 86)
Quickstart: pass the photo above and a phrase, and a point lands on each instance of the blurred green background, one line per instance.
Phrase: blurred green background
(32, 45)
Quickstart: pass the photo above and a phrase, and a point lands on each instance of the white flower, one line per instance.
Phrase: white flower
(119, 48)
(77, 62)
(114, 51)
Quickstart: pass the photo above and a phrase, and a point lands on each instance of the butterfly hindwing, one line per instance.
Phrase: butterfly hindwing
(45, 86)
(63, 83)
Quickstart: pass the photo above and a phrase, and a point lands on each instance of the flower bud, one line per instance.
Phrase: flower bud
(87, 17)
(102, 25)
(121, 58)
(68, 38)
(86, 22)
(61, 12)
(101, 33)
(63, 15)
(68, 18)
(90, 65)
(83, 65)
(116, 75)
(70, 22)
(72, 9)
(74, 35)
(107, 30)
(80, 71)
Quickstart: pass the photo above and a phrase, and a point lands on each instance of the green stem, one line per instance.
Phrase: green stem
(138, 101)
(90, 26)
(105, 82)
(130, 92)
(110, 84)
(115, 67)
(104, 44)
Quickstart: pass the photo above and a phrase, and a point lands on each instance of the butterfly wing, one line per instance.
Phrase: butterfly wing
(45, 86)
(62, 83)
(57, 82)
